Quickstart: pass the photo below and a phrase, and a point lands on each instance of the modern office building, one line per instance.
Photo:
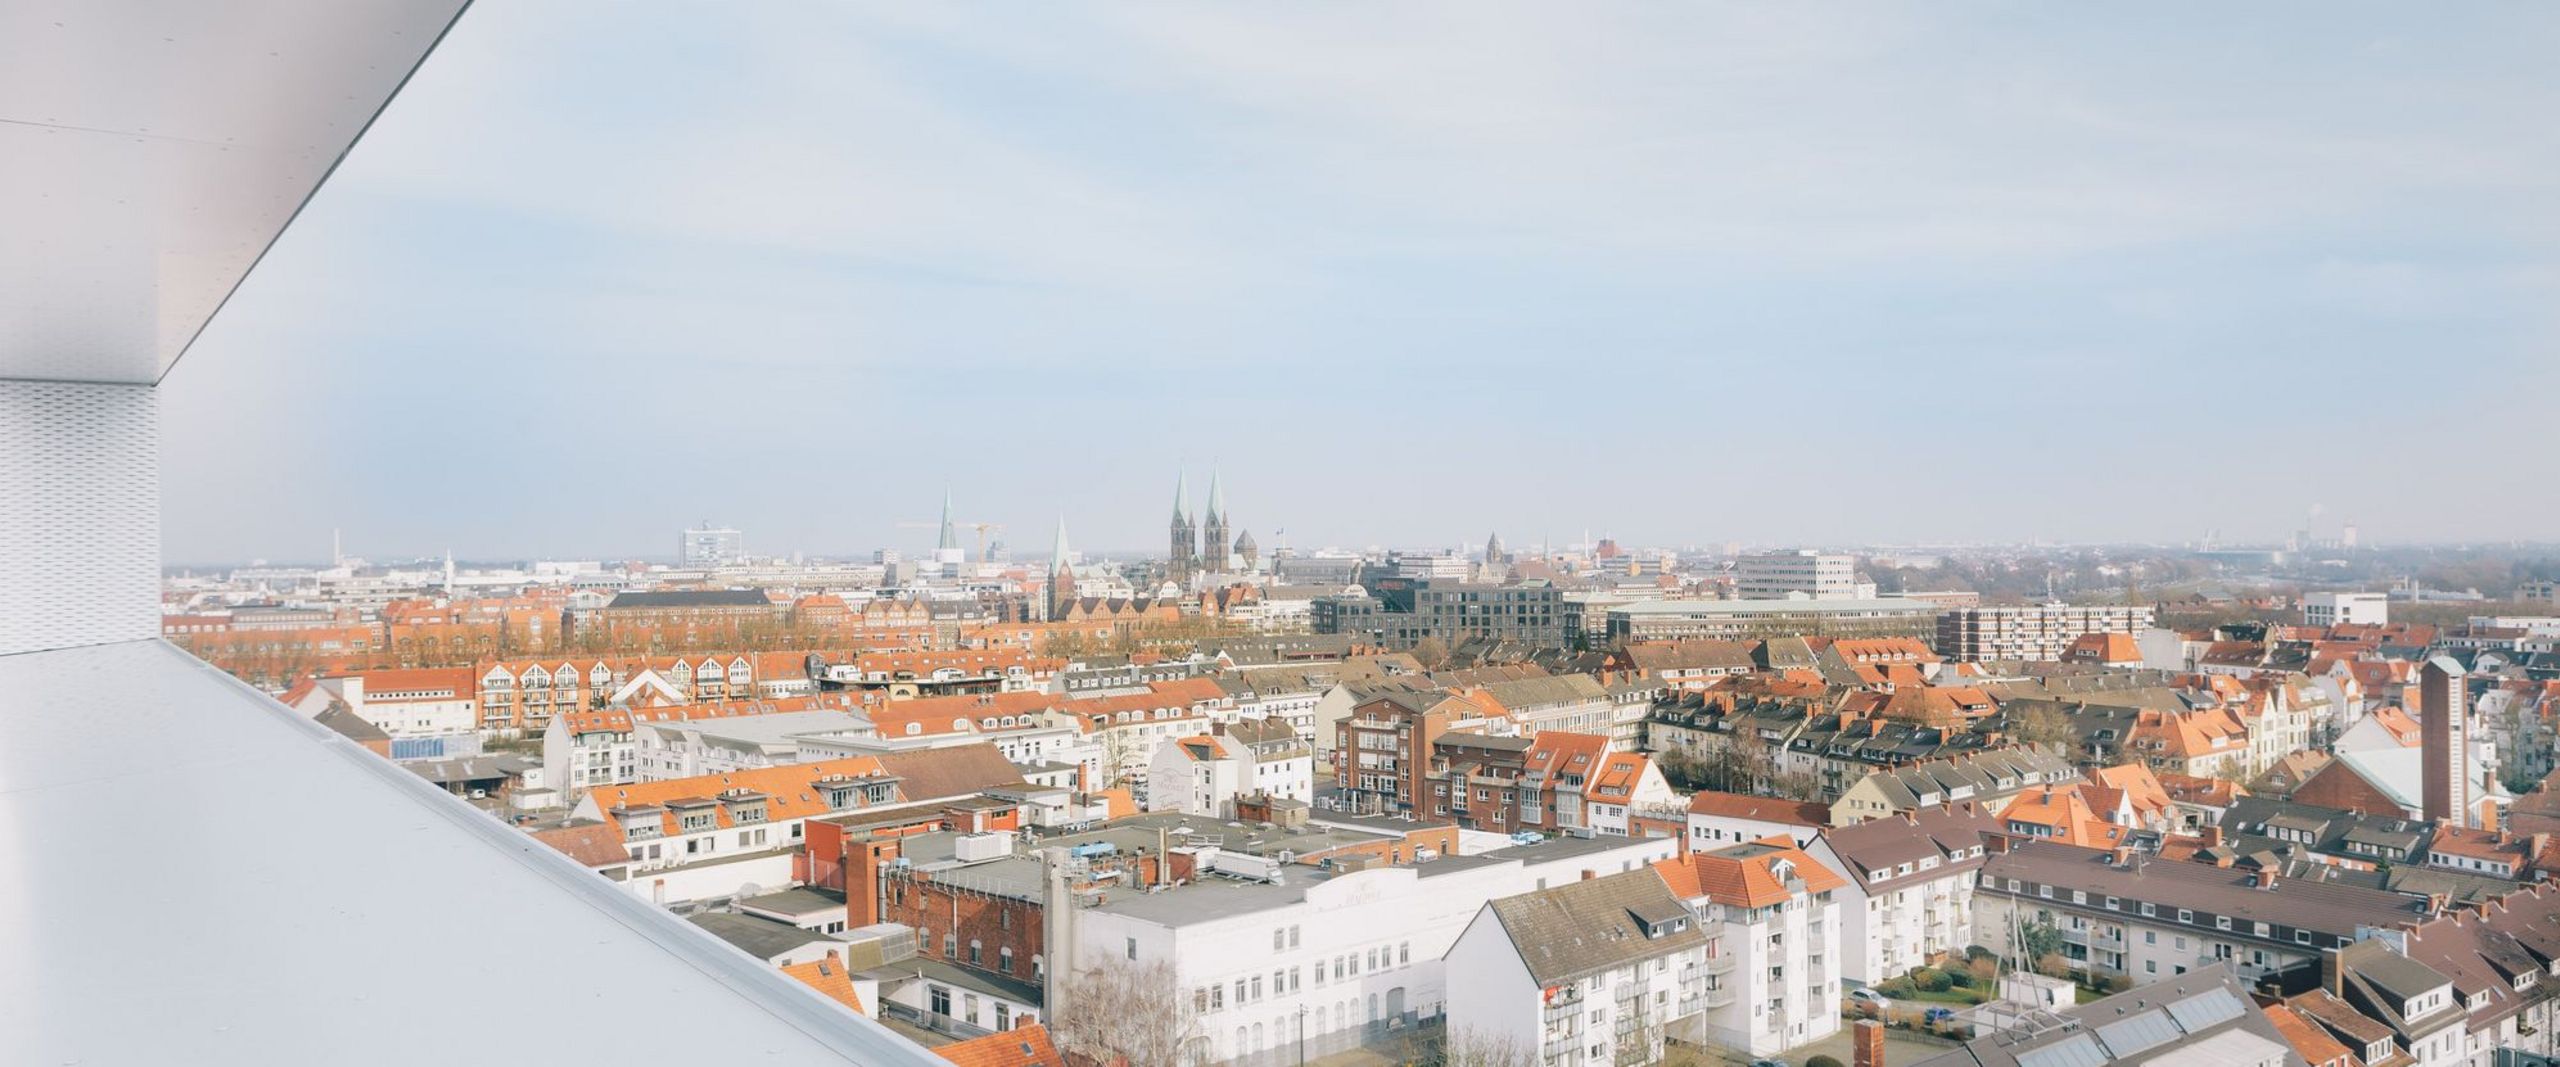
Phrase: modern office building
(2037, 633)
(1802, 574)
(1658, 620)
(710, 546)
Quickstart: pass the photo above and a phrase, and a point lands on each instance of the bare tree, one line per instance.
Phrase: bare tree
(1640, 1045)
(1471, 1047)
(1119, 1012)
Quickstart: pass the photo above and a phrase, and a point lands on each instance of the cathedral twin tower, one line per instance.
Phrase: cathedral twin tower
(1202, 547)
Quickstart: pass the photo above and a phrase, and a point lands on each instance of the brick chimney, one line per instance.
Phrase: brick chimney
(2266, 879)
(1866, 1043)
(2212, 836)
(863, 862)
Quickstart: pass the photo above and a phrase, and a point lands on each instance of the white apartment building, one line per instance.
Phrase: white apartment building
(2040, 633)
(1356, 952)
(1801, 574)
(1910, 885)
(1772, 922)
(2149, 919)
(2331, 609)
(1585, 974)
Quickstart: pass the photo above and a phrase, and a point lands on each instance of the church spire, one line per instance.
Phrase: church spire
(1217, 498)
(1058, 554)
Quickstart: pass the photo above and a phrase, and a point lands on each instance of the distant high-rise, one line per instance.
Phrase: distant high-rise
(1184, 558)
(710, 546)
(2444, 781)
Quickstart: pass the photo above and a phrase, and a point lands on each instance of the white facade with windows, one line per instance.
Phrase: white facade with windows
(1357, 955)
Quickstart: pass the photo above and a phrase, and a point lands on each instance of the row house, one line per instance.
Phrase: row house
(586, 749)
(1552, 782)
(1129, 728)
(1036, 731)
(910, 674)
(2121, 913)
(1684, 665)
(1982, 778)
(527, 694)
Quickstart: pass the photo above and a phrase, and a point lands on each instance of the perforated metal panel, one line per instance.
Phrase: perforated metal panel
(79, 515)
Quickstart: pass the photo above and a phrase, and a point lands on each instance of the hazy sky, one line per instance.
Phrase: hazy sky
(1406, 273)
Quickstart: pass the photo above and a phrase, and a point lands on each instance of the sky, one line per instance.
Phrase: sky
(1405, 274)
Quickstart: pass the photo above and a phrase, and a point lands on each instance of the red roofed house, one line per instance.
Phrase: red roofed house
(1718, 819)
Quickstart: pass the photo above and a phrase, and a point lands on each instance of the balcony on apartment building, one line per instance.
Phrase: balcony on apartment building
(154, 152)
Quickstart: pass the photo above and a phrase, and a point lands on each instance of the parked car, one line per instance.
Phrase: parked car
(1871, 1002)
(1938, 1015)
(1768, 1063)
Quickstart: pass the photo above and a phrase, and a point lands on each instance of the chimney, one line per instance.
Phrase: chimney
(1866, 1043)
(1589, 874)
(2266, 879)
(2212, 836)
(864, 860)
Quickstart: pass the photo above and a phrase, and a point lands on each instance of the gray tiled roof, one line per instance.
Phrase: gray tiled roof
(1581, 928)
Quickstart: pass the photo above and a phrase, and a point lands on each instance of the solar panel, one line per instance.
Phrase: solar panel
(2205, 1009)
(2134, 1033)
(2078, 1050)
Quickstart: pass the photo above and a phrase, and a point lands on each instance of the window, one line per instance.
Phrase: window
(1131, 948)
(977, 954)
(1004, 959)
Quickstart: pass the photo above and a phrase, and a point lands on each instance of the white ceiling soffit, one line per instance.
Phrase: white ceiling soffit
(151, 151)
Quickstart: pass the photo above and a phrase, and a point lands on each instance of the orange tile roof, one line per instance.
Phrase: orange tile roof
(2061, 809)
(2401, 727)
(1745, 875)
(1022, 1046)
(1615, 782)
(790, 790)
(954, 714)
(828, 976)
(2312, 1042)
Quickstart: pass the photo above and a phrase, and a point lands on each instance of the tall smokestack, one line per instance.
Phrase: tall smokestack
(2445, 782)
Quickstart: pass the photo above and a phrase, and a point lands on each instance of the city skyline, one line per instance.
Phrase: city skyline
(1790, 277)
